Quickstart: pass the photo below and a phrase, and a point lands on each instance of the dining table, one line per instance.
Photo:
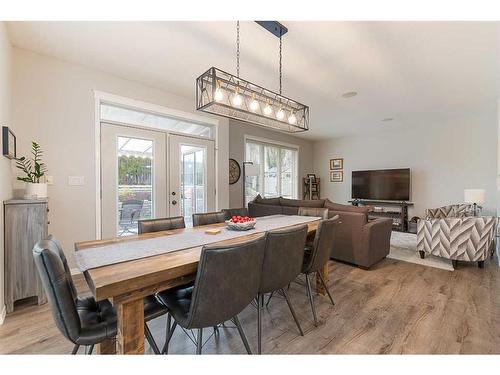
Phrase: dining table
(127, 282)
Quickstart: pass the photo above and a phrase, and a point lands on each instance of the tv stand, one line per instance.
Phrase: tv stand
(399, 217)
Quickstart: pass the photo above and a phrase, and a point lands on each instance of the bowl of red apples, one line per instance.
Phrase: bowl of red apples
(241, 223)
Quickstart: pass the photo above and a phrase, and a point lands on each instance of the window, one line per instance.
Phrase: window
(114, 113)
(277, 170)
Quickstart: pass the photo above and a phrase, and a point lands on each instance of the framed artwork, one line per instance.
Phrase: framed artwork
(8, 143)
(336, 163)
(336, 176)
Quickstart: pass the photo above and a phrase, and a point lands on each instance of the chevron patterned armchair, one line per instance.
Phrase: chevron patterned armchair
(457, 238)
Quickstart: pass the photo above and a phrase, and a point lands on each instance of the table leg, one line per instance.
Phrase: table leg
(319, 286)
(107, 346)
(130, 335)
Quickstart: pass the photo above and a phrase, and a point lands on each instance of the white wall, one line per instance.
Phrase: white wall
(5, 168)
(445, 158)
(54, 105)
(237, 132)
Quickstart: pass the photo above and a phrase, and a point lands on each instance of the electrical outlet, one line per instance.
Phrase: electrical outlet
(49, 180)
(76, 180)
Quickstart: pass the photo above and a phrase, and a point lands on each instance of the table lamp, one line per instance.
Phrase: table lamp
(474, 196)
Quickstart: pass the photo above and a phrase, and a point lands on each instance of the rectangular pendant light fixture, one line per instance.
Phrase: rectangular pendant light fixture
(224, 94)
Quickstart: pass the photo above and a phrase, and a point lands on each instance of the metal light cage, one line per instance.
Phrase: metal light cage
(213, 79)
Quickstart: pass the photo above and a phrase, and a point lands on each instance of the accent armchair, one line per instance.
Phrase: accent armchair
(457, 238)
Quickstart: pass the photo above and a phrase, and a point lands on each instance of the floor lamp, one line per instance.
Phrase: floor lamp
(249, 169)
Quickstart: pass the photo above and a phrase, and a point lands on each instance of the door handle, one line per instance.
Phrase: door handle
(174, 202)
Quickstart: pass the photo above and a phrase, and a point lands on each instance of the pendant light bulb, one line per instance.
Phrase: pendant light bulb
(237, 99)
(292, 119)
(268, 110)
(280, 115)
(254, 104)
(219, 94)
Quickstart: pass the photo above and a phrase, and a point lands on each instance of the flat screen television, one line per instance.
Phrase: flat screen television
(382, 185)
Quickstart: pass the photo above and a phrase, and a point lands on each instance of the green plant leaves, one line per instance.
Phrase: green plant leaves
(34, 169)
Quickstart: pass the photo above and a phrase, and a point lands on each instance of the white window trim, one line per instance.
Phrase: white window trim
(104, 97)
(272, 142)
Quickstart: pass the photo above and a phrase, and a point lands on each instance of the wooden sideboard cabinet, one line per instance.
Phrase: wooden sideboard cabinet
(25, 223)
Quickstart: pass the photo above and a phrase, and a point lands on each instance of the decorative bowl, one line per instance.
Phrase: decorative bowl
(241, 226)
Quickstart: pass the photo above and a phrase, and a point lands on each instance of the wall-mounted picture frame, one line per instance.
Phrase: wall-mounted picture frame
(337, 163)
(8, 143)
(336, 176)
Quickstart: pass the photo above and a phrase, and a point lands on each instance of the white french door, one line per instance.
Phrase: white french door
(133, 178)
(140, 179)
(191, 176)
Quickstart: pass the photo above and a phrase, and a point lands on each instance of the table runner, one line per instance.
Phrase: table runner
(130, 250)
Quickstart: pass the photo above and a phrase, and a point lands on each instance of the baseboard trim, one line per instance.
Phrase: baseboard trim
(3, 314)
(75, 271)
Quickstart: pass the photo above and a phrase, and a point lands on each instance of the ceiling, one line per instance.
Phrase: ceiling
(413, 72)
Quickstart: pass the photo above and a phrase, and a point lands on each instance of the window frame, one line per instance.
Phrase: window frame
(281, 146)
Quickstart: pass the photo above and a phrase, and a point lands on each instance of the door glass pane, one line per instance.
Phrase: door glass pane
(193, 181)
(271, 160)
(135, 176)
(288, 174)
(252, 183)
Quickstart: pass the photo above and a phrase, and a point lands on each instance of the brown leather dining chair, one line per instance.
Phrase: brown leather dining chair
(208, 218)
(317, 256)
(283, 258)
(220, 292)
(83, 321)
(230, 212)
(158, 225)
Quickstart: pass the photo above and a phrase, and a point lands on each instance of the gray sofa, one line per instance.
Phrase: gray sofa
(359, 241)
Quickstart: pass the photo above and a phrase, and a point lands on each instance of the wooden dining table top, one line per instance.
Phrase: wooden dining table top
(145, 276)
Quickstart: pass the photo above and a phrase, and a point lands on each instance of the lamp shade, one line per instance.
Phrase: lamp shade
(474, 195)
(251, 169)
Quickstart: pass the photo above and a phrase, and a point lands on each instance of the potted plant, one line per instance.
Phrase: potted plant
(34, 170)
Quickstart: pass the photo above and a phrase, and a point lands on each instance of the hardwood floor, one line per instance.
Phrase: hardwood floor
(396, 307)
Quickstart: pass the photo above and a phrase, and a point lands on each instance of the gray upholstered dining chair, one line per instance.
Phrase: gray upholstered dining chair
(283, 258)
(313, 211)
(157, 225)
(83, 321)
(220, 292)
(208, 218)
(230, 212)
(315, 257)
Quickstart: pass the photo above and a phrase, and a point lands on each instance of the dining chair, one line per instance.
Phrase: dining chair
(220, 292)
(157, 225)
(230, 212)
(83, 321)
(317, 256)
(283, 257)
(208, 218)
(314, 211)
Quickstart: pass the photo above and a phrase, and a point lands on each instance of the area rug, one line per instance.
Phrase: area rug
(404, 248)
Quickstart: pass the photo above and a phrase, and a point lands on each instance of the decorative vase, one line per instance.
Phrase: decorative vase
(36, 190)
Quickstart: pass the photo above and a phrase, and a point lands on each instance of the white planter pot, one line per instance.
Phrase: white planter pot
(36, 190)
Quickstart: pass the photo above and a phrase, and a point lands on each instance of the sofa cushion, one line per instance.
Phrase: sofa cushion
(257, 209)
(286, 210)
(346, 207)
(271, 201)
(302, 202)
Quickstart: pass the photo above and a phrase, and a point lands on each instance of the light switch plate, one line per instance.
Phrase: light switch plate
(76, 180)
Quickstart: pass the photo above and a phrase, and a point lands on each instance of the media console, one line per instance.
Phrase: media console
(398, 213)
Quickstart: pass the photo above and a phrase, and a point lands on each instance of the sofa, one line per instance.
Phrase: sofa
(451, 232)
(359, 240)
